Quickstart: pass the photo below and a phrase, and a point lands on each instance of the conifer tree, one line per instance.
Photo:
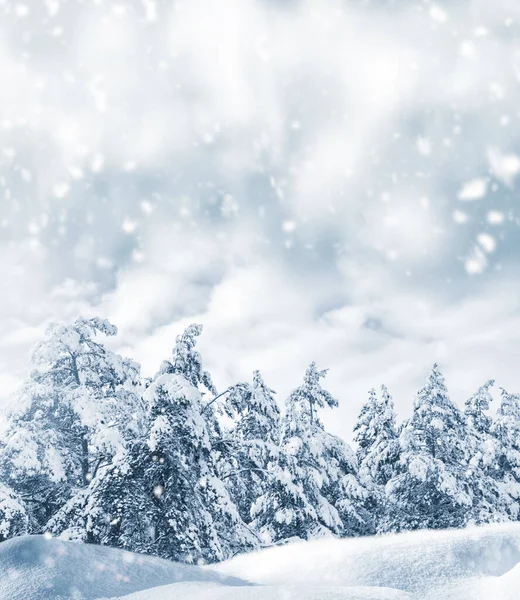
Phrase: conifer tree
(429, 490)
(314, 490)
(505, 432)
(114, 510)
(162, 495)
(476, 407)
(14, 520)
(490, 502)
(77, 409)
(253, 442)
(378, 449)
(365, 434)
(285, 512)
(186, 360)
(192, 514)
(343, 489)
(376, 436)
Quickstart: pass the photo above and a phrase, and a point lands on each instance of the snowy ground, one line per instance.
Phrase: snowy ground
(460, 565)
(37, 568)
(476, 564)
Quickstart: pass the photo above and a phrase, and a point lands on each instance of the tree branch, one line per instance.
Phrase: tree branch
(215, 399)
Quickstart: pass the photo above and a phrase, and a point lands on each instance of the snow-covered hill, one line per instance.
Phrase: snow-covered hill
(473, 564)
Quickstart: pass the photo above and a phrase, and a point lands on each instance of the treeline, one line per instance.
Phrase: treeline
(167, 466)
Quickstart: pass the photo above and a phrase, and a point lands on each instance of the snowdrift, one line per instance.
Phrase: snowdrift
(473, 564)
(38, 568)
(464, 564)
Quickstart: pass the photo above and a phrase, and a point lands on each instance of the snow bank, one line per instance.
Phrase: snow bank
(472, 564)
(37, 568)
(427, 564)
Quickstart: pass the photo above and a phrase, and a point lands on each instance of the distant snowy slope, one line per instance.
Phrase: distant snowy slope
(36, 568)
(427, 564)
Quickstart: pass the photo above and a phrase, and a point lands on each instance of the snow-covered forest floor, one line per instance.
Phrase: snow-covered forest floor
(471, 564)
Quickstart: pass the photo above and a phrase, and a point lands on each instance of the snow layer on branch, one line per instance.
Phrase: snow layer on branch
(176, 387)
(13, 516)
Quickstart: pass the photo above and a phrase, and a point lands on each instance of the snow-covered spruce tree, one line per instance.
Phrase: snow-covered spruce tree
(13, 514)
(378, 449)
(214, 530)
(162, 496)
(252, 442)
(114, 510)
(285, 512)
(186, 360)
(364, 428)
(377, 439)
(343, 489)
(76, 410)
(314, 491)
(476, 407)
(193, 515)
(505, 456)
(430, 488)
(491, 503)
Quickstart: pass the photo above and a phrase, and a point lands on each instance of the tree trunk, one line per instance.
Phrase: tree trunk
(84, 462)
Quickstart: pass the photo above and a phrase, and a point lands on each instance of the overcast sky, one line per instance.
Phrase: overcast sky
(330, 181)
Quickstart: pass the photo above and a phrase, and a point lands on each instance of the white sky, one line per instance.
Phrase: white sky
(329, 181)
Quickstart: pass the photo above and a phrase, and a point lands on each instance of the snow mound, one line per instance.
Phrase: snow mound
(472, 564)
(427, 564)
(37, 568)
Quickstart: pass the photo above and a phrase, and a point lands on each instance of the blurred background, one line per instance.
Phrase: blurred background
(333, 181)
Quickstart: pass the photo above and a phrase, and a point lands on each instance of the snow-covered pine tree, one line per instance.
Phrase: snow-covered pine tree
(343, 489)
(163, 496)
(13, 514)
(314, 490)
(490, 502)
(430, 488)
(505, 456)
(476, 407)
(195, 518)
(284, 512)
(365, 434)
(377, 438)
(186, 360)
(252, 443)
(79, 407)
(378, 449)
(293, 507)
(115, 509)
